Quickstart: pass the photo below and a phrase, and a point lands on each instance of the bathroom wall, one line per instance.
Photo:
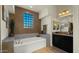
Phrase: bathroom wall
(19, 25)
(76, 29)
(4, 29)
(47, 15)
(64, 20)
(60, 8)
(0, 26)
(75, 20)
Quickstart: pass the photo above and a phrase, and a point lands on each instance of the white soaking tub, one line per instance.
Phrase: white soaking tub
(28, 45)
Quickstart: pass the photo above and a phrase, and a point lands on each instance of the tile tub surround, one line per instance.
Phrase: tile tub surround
(21, 36)
(7, 45)
(47, 36)
(17, 37)
(28, 45)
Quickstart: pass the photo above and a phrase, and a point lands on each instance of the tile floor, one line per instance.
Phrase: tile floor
(50, 50)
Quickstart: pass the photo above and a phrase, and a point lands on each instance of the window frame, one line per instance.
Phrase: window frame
(29, 22)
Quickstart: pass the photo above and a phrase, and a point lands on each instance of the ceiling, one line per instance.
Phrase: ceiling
(60, 8)
(36, 8)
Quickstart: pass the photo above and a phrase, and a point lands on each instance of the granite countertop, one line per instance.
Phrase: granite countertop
(8, 39)
(64, 34)
(12, 39)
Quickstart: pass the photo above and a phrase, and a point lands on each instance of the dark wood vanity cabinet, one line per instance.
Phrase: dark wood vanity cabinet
(63, 42)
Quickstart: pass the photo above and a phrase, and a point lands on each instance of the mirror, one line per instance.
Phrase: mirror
(56, 25)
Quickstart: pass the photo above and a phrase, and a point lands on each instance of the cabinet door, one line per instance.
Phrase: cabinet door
(57, 41)
(69, 44)
(63, 42)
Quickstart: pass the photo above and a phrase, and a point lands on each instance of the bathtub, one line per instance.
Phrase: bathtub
(29, 45)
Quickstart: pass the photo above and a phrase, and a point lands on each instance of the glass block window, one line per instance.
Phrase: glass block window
(28, 20)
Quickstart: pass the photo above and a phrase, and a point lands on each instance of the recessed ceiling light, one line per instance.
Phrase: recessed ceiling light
(67, 11)
(60, 14)
(63, 13)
